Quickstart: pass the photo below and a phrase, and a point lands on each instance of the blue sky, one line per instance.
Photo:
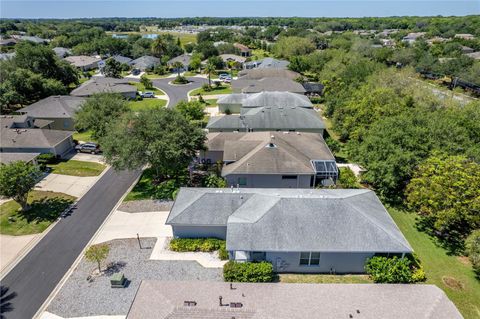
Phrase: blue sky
(229, 8)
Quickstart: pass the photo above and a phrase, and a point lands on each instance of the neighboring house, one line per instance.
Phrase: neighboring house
(267, 63)
(297, 230)
(313, 89)
(200, 299)
(122, 59)
(105, 85)
(227, 58)
(465, 36)
(233, 103)
(23, 134)
(272, 159)
(244, 50)
(474, 55)
(388, 43)
(219, 43)
(7, 56)
(258, 74)
(58, 109)
(7, 158)
(145, 62)
(83, 62)
(467, 50)
(269, 84)
(184, 59)
(412, 37)
(33, 39)
(7, 42)
(62, 52)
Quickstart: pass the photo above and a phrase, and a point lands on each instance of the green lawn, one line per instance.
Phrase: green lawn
(210, 102)
(223, 89)
(438, 266)
(142, 88)
(153, 76)
(146, 104)
(324, 279)
(77, 168)
(83, 136)
(144, 188)
(45, 209)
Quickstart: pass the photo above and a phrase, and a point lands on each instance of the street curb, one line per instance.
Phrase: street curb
(25, 250)
(69, 272)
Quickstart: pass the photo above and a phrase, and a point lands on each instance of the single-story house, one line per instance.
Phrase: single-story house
(272, 159)
(244, 50)
(474, 55)
(297, 230)
(413, 36)
(270, 84)
(62, 52)
(233, 103)
(33, 39)
(465, 36)
(258, 74)
(313, 89)
(105, 85)
(466, 50)
(184, 59)
(7, 42)
(23, 134)
(226, 58)
(267, 63)
(83, 62)
(7, 56)
(199, 299)
(6, 158)
(60, 109)
(145, 62)
(122, 59)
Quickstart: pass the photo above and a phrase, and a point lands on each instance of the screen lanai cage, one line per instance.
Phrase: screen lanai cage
(326, 171)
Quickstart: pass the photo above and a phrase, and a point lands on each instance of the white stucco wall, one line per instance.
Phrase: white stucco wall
(200, 231)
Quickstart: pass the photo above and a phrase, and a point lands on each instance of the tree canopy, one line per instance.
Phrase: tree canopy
(17, 179)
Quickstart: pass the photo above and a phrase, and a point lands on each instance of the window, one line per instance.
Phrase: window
(242, 181)
(309, 259)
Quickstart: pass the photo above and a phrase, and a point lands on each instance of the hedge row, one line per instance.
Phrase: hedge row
(248, 272)
(395, 270)
(200, 244)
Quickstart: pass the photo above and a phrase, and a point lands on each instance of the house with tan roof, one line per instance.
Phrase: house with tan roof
(83, 62)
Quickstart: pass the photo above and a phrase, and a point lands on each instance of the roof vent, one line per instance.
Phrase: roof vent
(189, 303)
(271, 145)
(236, 305)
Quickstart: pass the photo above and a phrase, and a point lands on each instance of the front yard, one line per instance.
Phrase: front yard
(450, 273)
(146, 104)
(144, 188)
(45, 209)
(142, 88)
(77, 168)
(223, 89)
(324, 279)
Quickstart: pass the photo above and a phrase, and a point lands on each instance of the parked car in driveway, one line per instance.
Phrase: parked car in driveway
(222, 76)
(136, 72)
(146, 94)
(227, 80)
(92, 148)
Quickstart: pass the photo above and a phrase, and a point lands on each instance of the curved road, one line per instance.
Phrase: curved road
(176, 93)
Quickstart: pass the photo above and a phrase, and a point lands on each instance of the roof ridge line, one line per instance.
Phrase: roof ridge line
(375, 223)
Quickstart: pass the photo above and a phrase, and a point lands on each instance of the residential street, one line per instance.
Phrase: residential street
(176, 93)
(35, 277)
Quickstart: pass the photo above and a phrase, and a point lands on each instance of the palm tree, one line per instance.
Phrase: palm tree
(209, 69)
(178, 66)
(5, 298)
(158, 47)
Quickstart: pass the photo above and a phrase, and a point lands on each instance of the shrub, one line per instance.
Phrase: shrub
(222, 252)
(214, 181)
(347, 178)
(248, 272)
(196, 244)
(206, 87)
(180, 80)
(472, 249)
(48, 158)
(389, 270)
(166, 189)
(147, 83)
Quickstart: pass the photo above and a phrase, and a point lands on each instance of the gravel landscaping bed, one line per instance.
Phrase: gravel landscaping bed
(78, 297)
(146, 205)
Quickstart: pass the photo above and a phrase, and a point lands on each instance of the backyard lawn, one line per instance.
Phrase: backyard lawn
(85, 136)
(223, 89)
(77, 168)
(142, 88)
(146, 104)
(45, 209)
(450, 273)
(324, 279)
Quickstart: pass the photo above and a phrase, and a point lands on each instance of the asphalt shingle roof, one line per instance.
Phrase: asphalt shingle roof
(55, 106)
(263, 219)
(6, 158)
(260, 73)
(82, 60)
(267, 84)
(102, 85)
(32, 138)
(164, 299)
(145, 62)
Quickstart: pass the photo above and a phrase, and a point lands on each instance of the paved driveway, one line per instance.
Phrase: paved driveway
(176, 93)
(70, 185)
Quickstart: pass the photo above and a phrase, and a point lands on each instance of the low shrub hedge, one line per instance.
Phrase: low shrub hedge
(200, 244)
(248, 272)
(395, 270)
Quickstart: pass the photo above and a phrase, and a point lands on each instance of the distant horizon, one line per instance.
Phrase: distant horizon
(91, 9)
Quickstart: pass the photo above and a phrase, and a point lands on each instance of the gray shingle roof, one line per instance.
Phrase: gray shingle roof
(164, 299)
(249, 154)
(268, 119)
(257, 74)
(32, 138)
(55, 106)
(235, 98)
(145, 62)
(6, 158)
(232, 57)
(277, 98)
(267, 84)
(62, 52)
(263, 219)
(268, 63)
(102, 85)
(184, 59)
(122, 59)
(81, 61)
